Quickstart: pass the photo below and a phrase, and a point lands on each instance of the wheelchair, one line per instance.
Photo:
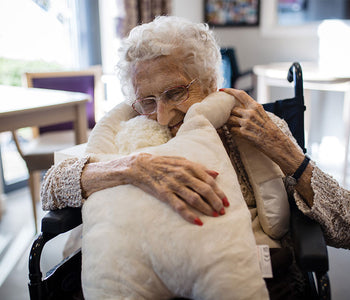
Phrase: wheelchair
(64, 280)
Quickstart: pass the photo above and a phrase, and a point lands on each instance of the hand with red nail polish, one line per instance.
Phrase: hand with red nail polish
(187, 187)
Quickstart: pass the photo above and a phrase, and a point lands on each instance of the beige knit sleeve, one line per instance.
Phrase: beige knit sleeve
(61, 185)
(331, 208)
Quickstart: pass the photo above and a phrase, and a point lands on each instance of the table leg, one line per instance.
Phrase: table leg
(346, 118)
(263, 90)
(307, 116)
(2, 195)
(80, 124)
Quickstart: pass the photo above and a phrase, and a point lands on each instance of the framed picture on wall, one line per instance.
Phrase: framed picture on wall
(232, 12)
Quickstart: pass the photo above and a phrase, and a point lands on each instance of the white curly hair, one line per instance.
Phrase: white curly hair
(193, 44)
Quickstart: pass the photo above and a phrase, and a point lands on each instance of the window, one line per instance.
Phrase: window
(111, 14)
(35, 35)
(300, 17)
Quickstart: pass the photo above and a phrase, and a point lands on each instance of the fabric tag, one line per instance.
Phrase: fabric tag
(264, 258)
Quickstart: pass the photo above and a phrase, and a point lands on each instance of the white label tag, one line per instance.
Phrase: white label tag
(264, 258)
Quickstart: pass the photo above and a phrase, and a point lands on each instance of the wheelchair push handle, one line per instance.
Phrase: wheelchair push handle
(295, 73)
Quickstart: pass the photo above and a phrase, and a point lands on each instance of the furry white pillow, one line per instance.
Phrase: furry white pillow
(136, 247)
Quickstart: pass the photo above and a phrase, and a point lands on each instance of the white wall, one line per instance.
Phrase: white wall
(252, 45)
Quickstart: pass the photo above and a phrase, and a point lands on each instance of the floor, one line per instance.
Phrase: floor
(16, 237)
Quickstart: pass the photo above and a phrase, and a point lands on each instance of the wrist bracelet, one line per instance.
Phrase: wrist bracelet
(291, 180)
(301, 168)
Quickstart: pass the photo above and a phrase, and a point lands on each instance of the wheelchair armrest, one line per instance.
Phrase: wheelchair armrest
(310, 246)
(61, 220)
(54, 223)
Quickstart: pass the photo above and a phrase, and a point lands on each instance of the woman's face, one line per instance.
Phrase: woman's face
(153, 77)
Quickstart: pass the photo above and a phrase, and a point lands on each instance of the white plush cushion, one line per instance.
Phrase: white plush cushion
(136, 247)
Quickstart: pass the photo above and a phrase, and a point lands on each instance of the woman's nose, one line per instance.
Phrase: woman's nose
(164, 113)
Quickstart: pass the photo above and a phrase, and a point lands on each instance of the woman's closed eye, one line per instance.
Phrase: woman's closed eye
(148, 101)
(175, 94)
(146, 105)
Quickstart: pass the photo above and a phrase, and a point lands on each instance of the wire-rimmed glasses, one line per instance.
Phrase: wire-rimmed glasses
(174, 96)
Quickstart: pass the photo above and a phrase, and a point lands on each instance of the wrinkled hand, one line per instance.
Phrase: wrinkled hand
(250, 121)
(180, 183)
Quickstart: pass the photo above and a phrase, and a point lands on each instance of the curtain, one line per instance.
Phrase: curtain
(140, 11)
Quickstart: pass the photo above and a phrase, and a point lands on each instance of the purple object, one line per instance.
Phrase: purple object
(83, 84)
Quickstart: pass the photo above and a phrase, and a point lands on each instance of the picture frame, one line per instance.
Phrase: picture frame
(239, 13)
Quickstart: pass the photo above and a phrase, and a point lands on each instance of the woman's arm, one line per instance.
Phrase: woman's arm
(331, 208)
(317, 194)
(174, 180)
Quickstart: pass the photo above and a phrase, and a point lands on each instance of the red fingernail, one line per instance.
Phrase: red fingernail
(215, 174)
(222, 211)
(198, 222)
(225, 202)
(215, 214)
(221, 90)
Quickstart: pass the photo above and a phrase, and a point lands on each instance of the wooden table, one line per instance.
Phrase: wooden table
(25, 107)
(315, 78)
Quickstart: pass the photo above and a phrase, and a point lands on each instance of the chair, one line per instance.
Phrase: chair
(39, 152)
(310, 250)
(232, 73)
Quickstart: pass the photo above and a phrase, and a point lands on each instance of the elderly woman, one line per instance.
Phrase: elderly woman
(166, 66)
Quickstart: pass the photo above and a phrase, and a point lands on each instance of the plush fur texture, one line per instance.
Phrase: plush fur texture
(136, 247)
(140, 132)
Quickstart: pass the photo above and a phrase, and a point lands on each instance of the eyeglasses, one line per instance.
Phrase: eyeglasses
(174, 96)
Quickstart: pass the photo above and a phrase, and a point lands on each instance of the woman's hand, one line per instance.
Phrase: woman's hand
(250, 121)
(180, 183)
(174, 180)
